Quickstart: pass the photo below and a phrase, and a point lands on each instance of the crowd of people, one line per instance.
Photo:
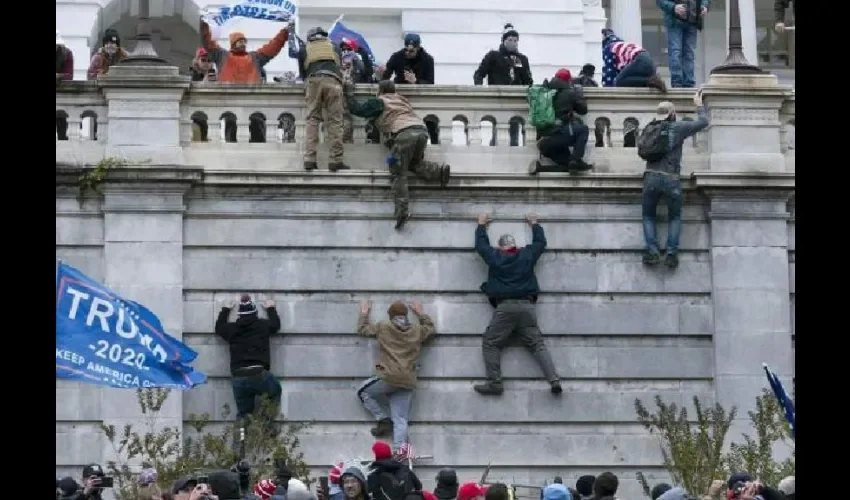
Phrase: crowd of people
(388, 477)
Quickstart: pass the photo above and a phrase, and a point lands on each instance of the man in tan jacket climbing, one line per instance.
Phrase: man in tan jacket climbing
(399, 344)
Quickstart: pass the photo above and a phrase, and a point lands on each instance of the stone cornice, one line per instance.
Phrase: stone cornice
(728, 183)
(161, 176)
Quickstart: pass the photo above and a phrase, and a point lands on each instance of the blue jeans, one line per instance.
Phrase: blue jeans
(637, 72)
(374, 393)
(681, 49)
(246, 390)
(654, 186)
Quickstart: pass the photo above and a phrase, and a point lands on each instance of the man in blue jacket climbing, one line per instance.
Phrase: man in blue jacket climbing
(512, 289)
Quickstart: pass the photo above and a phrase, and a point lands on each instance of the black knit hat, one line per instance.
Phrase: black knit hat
(112, 36)
(509, 30)
(246, 306)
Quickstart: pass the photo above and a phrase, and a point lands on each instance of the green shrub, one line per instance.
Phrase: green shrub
(174, 455)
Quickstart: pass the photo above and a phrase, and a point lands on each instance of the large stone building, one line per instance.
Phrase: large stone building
(184, 226)
(553, 34)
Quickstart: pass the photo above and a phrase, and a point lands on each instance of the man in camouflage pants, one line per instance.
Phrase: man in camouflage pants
(406, 135)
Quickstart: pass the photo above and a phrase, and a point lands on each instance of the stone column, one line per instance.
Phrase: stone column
(749, 37)
(744, 135)
(750, 285)
(143, 260)
(144, 113)
(626, 20)
(594, 21)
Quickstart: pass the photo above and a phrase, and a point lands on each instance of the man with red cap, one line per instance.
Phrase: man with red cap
(390, 479)
(564, 143)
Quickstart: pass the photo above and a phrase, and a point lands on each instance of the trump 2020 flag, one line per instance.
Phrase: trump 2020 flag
(785, 401)
(340, 32)
(105, 339)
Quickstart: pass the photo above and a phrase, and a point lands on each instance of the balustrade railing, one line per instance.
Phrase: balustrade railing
(218, 115)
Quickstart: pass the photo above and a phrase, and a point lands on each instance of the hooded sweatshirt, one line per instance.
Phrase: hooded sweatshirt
(393, 467)
(248, 338)
(556, 492)
(399, 344)
(446, 485)
(358, 474)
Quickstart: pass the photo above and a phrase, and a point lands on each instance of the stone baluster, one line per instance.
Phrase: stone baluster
(143, 105)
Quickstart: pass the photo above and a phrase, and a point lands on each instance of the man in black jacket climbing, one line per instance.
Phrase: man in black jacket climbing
(512, 289)
(505, 66)
(565, 142)
(250, 353)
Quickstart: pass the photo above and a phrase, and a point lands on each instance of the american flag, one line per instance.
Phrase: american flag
(616, 54)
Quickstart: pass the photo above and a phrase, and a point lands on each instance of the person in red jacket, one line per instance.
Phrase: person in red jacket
(238, 65)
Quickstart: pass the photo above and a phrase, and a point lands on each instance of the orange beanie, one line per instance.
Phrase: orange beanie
(236, 36)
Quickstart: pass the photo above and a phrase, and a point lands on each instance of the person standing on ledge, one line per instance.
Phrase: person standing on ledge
(512, 289)
(506, 65)
(683, 22)
(321, 61)
(399, 345)
(250, 353)
(238, 65)
(407, 137)
(660, 144)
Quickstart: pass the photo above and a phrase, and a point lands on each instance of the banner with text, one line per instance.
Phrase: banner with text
(105, 339)
(280, 11)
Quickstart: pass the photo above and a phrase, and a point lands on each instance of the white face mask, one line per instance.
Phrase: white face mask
(110, 48)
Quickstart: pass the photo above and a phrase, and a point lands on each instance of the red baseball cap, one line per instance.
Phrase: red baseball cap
(564, 74)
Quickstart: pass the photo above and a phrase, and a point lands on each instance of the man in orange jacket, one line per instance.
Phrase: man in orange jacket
(238, 65)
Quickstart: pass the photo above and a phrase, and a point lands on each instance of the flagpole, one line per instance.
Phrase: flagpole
(335, 23)
(58, 263)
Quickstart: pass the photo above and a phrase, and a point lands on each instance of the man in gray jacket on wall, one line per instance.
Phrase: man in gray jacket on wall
(662, 178)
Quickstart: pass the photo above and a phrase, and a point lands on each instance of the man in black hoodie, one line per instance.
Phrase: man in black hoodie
(605, 486)
(250, 353)
(565, 142)
(505, 66)
(447, 485)
(410, 64)
(512, 289)
(389, 479)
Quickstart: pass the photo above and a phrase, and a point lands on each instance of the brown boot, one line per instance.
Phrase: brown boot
(383, 429)
(333, 167)
(445, 174)
(310, 165)
(655, 82)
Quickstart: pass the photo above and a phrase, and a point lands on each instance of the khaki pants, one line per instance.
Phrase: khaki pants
(409, 151)
(347, 124)
(324, 94)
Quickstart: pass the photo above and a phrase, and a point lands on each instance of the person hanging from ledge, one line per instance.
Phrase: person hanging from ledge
(399, 343)
(660, 144)
(627, 64)
(512, 289)
(250, 353)
(564, 142)
(321, 61)
(407, 137)
(238, 65)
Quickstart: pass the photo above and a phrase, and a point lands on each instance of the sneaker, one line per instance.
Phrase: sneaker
(400, 220)
(333, 167)
(655, 82)
(383, 429)
(445, 174)
(671, 261)
(555, 387)
(310, 165)
(533, 167)
(490, 389)
(651, 258)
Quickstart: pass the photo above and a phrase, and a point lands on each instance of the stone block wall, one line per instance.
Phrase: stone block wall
(617, 330)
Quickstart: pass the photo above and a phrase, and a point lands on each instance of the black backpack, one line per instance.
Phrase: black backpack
(389, 486)
(654, 141)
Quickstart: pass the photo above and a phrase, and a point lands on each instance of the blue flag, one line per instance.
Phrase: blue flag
(785, 401)
(340, 32)
(105, 339)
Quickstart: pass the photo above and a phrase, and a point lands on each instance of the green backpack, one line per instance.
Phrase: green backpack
(541, 110)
